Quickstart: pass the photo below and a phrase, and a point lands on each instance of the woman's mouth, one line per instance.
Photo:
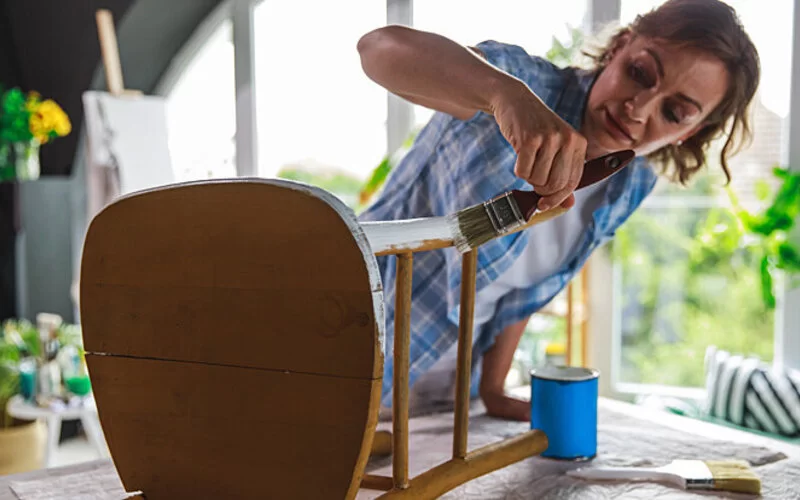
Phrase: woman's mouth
(615, 128)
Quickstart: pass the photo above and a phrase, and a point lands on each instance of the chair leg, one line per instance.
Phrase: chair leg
(381, 444)
(447, 476)
(402, 326)
(53, 435)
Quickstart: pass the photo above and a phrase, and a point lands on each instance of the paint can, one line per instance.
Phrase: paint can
(564, 406)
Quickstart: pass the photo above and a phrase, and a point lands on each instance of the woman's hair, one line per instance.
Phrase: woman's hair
(713, 27)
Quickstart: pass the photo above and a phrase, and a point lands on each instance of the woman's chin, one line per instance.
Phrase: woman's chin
(600, 148)
(605, 145)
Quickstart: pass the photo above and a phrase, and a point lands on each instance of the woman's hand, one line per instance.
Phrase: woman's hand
(436, 72)
(501, 406)
(496, 364)
(550, 153)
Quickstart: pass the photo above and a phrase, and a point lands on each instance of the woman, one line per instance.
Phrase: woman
(665, 86)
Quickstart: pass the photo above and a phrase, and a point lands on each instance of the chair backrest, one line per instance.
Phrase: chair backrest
(234, 339)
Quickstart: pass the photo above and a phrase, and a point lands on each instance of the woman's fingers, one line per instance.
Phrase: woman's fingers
(565, 175)
(542, 168)
(525, 159)
(550, 153)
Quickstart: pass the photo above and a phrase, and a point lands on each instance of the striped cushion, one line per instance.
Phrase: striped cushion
(753, 394)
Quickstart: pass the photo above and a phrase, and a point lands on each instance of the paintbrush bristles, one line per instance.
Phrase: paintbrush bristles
(734, 475)
(471, 227)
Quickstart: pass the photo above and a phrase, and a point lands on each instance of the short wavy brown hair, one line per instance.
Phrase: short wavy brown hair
(713, 27)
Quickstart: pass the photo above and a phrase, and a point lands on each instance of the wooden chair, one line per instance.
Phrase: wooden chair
(234, 335)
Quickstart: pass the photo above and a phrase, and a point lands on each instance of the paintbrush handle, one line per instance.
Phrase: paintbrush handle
(594, 171)
(627, 473)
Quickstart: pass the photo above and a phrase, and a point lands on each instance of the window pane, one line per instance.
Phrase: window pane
(201, 112)
(521, 22)
(317, 111)
(680, 292)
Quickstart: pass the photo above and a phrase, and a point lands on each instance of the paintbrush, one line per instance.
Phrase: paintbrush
(729, 475)
(474, 226)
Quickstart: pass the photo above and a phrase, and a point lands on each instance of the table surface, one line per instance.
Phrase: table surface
(19, 408)
(103, 472)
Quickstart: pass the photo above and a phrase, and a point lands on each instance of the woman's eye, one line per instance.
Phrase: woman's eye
(639, 75)
(671, 115)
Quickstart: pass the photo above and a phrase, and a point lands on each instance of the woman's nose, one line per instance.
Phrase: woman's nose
(640, 106)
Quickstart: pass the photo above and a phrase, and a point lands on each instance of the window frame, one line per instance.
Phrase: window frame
(240, 13)
(400, 113)
(787, 345)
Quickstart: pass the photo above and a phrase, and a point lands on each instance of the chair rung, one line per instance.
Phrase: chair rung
(373, 482)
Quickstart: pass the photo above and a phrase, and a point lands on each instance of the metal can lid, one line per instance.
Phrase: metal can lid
(565, 373)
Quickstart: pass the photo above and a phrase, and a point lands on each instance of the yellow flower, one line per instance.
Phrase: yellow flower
(32, 102)
(47, 118)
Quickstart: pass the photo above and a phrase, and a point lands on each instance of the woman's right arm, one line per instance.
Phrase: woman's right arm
(436, 72)
(433, 71)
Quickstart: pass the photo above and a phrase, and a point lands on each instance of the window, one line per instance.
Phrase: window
(677, 288)
(320, 119)
(201, 111)
(519, 22)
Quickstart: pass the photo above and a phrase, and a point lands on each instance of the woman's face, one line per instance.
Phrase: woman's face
(651, 94)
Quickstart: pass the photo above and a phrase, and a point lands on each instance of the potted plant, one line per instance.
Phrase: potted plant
(21, 442)
(44, 364)
(26, 123)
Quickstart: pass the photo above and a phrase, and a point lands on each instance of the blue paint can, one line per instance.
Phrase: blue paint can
(564, 406)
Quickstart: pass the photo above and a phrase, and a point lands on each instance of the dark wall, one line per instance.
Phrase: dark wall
(51, 46)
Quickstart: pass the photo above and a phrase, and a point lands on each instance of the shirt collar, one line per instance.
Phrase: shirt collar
(574, 97)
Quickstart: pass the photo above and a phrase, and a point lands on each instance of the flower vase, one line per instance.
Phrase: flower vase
(26, 161)
(19, 161)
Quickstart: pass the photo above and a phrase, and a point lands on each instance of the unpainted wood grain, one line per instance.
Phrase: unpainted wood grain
(191, 430)
(234, 340)
(246, 274)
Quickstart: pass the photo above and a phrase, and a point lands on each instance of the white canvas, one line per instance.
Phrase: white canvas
(129, 133)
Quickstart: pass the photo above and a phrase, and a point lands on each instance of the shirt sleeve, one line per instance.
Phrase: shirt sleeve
(515, 61)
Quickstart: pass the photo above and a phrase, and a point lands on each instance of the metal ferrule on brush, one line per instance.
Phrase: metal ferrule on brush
(696, 474)
(504, 213)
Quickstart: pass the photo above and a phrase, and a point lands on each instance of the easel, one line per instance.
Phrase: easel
(121, 155)
(109, 51)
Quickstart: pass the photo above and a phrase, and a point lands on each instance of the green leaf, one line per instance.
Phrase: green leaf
(379, 174)
(789, 257)
(766, 283)
(762, 189)
(781, 173)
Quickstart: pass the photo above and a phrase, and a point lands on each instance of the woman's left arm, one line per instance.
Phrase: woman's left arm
(496, 364)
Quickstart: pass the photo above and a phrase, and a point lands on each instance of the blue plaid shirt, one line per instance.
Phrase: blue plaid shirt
(455, 164)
